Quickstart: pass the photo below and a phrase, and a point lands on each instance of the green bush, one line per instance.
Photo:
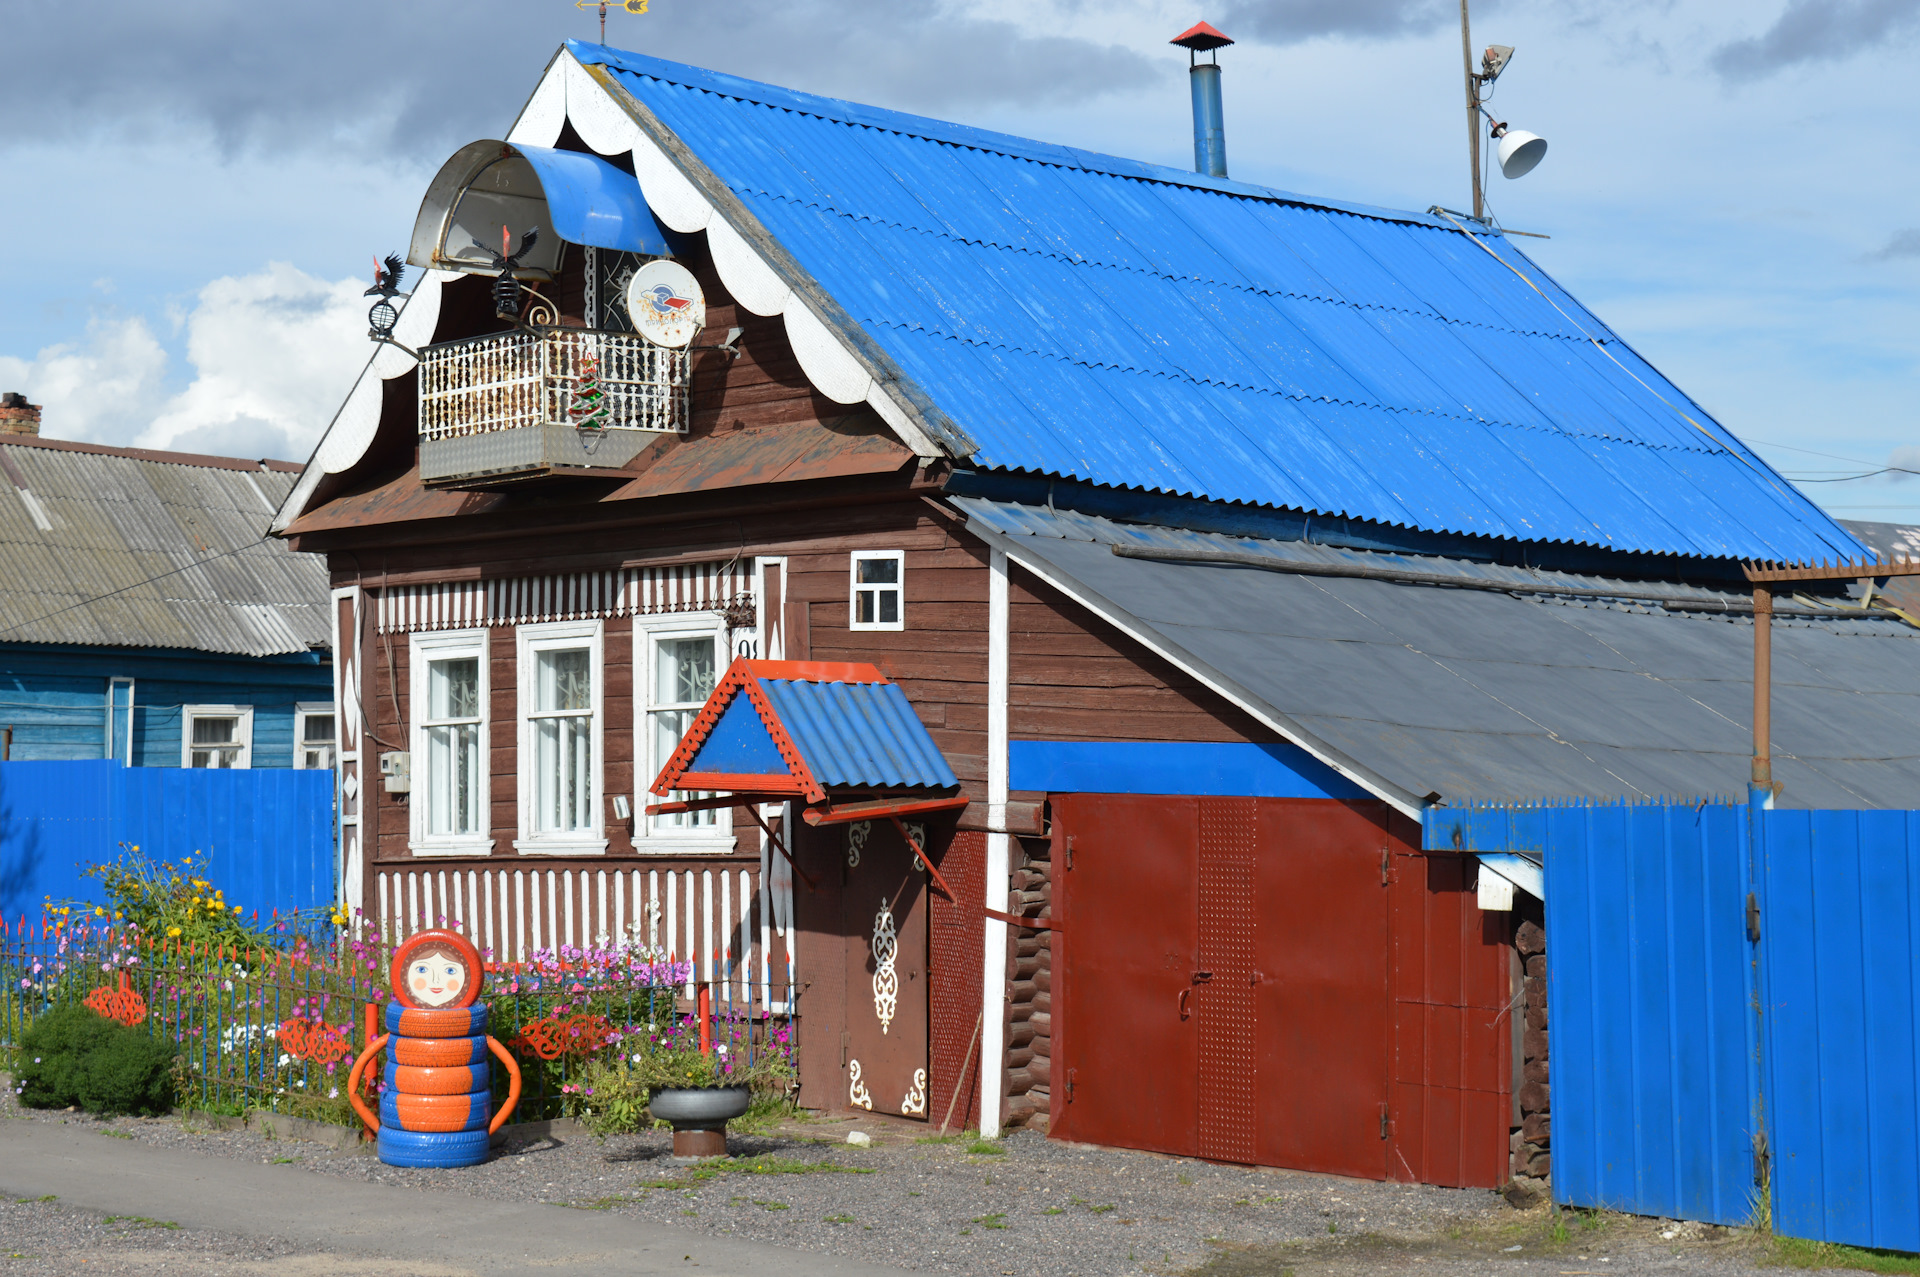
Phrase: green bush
(75, 1056)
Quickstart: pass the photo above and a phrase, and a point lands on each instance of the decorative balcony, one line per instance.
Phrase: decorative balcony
(509, 407)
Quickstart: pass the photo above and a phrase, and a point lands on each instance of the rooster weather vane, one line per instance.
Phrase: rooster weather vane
(506, 289)
(386, 286)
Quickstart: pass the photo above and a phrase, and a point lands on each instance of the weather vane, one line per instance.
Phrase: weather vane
(635, 7)
(386, 286)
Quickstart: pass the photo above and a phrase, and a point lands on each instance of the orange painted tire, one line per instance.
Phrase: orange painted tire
(437, 1052)
(435, 1022)
(461, 1080)
(436, 1112)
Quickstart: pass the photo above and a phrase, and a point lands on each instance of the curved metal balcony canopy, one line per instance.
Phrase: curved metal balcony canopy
(568, 196)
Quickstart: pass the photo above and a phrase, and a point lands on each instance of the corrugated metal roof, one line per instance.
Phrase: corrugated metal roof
(1483, 694)
(859, 735)
(1097, 318)
(151, 550)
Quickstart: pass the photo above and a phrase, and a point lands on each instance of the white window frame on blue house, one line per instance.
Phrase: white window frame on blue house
(302, 712)
(241, 744)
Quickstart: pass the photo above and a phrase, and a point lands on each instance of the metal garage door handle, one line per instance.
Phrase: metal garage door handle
(1184, 994)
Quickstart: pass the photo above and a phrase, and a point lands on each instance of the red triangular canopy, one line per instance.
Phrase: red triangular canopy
(1200, 37)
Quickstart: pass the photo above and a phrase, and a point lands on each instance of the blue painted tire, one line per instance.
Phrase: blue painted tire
(424, 1148)
(436, 1113)
(436, 1022)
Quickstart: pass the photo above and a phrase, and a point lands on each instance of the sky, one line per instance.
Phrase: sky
(197, 191)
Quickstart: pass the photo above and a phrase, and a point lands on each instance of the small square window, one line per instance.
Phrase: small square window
(879, 590)
(219, 736)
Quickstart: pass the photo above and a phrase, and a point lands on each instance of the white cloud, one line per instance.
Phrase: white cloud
(271, 353)
(96, 389)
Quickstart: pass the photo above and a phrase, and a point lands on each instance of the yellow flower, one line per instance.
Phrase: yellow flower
(236, 908)
(173, 931)
(196, 900)
(99, 912)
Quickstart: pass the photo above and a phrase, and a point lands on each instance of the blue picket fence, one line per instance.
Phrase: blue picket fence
(1733, 998)
(268, 834)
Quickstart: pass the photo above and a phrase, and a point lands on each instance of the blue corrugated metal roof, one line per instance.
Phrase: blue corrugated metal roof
(1096, 318)
(859, 734)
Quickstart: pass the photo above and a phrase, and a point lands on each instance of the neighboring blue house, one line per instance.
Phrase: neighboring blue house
(143, 616)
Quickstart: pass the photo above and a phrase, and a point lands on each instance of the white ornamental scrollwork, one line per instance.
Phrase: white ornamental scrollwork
(918, 832)
(886, 984)
(857, 834)
(916, 1101)
(857, 1093)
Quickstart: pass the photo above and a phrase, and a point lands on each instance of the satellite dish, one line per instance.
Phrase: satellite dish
(1520, 151)
(666, 305)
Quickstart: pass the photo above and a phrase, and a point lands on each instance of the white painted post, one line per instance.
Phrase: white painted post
(993, 966)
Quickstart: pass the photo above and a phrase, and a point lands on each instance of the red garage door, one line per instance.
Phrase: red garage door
(1283, 982)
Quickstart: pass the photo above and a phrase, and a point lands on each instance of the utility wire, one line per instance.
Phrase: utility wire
(158, 576)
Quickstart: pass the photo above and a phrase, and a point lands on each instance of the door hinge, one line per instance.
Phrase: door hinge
(1385, 1122)
(844, 1042)
(1071, 1080)
(1069, 851)
(1386, 858)
(1753, 918)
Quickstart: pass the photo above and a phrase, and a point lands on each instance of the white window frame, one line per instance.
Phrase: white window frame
(854, 622)
(422, 649)
(302, 711)
(532, 640)
(648, 631)
(242, 731)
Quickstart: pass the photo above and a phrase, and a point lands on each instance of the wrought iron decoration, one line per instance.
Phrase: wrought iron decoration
(386, 286)
(506, 289)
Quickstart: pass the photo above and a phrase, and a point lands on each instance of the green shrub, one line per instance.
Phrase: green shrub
(76, 1057)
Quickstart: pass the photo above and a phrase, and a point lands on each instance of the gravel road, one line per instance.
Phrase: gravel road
(1025, 1206)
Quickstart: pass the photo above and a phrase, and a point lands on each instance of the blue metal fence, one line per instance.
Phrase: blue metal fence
(1734, 1000)
(268, 834)
(1839, 907)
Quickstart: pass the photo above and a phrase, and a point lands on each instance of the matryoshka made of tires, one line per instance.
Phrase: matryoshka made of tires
(435, 1109)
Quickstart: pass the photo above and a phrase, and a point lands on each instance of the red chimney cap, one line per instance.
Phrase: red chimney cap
(1200, 37)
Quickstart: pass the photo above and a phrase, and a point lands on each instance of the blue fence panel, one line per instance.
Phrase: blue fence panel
(1648, 996)
(1840, 895)
(267, 834)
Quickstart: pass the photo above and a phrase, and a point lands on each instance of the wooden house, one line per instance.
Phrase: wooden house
(1205, 529)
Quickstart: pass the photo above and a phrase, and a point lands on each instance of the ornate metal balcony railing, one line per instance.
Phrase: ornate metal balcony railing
(521, 404)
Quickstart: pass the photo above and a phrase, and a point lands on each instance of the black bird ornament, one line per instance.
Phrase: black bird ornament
(386, 285)
(506, 289)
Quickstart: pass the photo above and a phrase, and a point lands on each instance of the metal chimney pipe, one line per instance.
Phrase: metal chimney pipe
(1209, 121)
(1209, 116)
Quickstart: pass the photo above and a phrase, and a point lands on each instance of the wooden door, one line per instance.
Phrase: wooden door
(1129, 1038)
(883, 909)
(1322, 999)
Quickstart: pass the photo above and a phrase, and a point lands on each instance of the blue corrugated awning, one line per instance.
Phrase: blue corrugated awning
(592, 202)
(806, 728)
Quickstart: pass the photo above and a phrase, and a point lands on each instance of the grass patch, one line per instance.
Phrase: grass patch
(1054, 1210)
(771, 1205)
(839, 1219)
(1091, 1207)
(771, 1165)
(118, 1135)
(986, 1148)
(996, 1220)
(1796, 1252)
(282, 1161)
(140, 1221)
(1184, 1178)
(958, 1137)
(601, 1203)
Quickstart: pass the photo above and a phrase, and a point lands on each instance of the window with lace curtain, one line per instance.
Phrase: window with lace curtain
(561, 739)
(678, 658)
(449, 808)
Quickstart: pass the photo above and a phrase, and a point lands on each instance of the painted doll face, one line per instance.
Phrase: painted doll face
(435, 977)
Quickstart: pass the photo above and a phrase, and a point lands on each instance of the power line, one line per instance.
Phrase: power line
(158, 576)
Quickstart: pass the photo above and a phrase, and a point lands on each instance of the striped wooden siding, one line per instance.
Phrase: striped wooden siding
(728, 920)
(454, 605)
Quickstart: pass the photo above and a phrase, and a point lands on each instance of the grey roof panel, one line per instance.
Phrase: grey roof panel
(147, 550)
(1480, 694)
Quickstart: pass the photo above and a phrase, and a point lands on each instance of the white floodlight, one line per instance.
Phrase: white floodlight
(1520, 151)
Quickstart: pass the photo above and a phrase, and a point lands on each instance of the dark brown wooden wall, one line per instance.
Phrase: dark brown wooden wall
(1071, 676)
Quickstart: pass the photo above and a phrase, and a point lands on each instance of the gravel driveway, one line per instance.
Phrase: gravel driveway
(1025, 1206)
